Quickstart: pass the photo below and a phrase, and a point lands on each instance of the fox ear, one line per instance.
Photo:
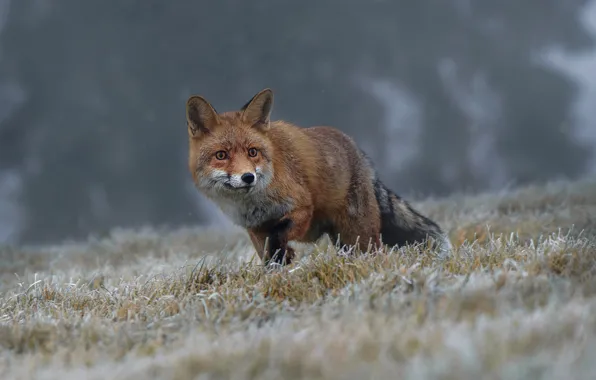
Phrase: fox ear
(258, 109)
(201, 117)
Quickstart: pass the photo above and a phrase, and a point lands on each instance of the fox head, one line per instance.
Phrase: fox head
(229, 153)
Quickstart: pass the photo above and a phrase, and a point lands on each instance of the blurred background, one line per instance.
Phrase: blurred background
(444, 96)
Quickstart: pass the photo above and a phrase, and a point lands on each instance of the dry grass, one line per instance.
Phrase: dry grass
(516, 301)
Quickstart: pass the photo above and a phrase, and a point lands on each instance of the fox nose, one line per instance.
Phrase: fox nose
(248, 178)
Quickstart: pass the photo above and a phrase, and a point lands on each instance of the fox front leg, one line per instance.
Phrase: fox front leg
(271, 239)
(271, 242)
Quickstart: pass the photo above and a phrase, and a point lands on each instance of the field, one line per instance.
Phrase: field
(517, 300)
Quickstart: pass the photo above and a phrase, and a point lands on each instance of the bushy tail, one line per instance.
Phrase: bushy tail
(401, 224)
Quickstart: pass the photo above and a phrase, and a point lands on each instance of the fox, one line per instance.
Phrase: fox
(285, 183)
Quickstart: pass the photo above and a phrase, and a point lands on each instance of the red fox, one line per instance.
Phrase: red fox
(285, 183)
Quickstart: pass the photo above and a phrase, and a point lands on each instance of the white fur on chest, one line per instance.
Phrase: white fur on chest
(249, 212)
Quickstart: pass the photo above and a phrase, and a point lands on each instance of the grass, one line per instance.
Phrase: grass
(517, 300)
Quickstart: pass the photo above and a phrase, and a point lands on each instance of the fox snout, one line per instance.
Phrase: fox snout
(232, 181)
(242, 181)
(247, 179)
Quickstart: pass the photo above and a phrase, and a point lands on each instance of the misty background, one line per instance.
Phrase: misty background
(443, 95)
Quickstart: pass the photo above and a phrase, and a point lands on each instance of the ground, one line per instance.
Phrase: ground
(517, 300)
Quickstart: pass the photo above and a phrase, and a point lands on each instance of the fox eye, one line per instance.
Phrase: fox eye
(221, 155)
(252, 152)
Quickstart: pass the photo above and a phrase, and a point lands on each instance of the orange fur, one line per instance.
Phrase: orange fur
(307, 181)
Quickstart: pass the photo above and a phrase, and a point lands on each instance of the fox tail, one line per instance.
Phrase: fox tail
(401, 224)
